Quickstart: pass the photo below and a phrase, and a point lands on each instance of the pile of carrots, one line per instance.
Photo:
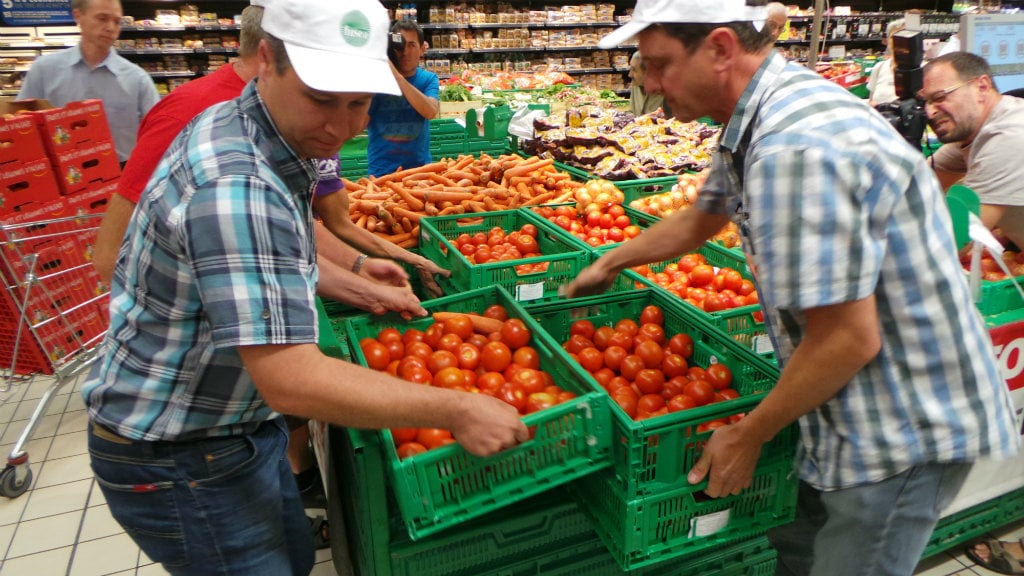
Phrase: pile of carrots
(392, 205)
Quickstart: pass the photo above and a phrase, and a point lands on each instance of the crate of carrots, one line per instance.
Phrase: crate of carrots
(392, 205)
(482, 341)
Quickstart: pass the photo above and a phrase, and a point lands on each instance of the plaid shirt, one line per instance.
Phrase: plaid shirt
(835, 206)
(218, 254)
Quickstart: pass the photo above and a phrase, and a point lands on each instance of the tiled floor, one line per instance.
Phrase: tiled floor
(61, 527)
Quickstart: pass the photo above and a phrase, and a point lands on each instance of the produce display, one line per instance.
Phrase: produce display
(488, 354)
(392, 205)
(990, 269)
(497, 246)
(511, 80)
(617, 145)
(708, 288)
(646, 371)
(556, 94)
(684, 194)
(598, 218)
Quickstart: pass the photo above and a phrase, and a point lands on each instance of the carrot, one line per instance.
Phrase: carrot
(396, 238)
(481, 324)
(539, 199)
(451, 196)
(412, 216)
(527, 166)
(413, 202)
(452, 209)
(442, 180)
(410, 243)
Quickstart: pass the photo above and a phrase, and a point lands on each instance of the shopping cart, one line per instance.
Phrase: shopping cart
(53, 314)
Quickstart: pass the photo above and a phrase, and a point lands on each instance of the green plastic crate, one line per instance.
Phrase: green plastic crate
(751, 558)
(446, 486)
(975, 521)
(331, 340)
(653, 529)
(565, 259)
(999, 296)
(653, 455)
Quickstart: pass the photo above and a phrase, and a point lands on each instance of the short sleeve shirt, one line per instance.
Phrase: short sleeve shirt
(834, 206)
(219, 254)
(399, 137)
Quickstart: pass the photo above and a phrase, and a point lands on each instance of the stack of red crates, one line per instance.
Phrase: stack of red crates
(54, 164)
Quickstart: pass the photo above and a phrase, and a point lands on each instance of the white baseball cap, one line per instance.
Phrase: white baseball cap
(649, 12)
(334, 46)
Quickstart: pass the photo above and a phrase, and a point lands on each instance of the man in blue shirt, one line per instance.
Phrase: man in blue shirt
(213, 325)
(94, 70)
(399, 129)
(886, 363)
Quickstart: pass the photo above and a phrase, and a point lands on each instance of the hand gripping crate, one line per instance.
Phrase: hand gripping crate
(446, 486)
(645, 509)
(564, 258)
(55, 315)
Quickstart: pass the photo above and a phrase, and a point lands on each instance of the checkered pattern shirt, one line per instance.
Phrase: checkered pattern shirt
(218, 254)
(835, 206)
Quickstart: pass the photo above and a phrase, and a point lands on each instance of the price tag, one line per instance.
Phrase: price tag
(529, 291)
(708, 524)
(763, 344)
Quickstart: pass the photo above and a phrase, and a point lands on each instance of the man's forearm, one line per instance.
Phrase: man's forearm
(427, 107)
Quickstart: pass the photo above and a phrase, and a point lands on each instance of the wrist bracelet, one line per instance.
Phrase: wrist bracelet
(358, 265)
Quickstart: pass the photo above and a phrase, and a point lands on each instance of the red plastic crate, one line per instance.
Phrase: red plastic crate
(20, 142)
(76, 125)
(24, 185)
(88, 166)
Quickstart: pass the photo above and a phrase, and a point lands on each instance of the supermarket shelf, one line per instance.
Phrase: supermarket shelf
(201, 28)
(172, 74)
(153, 51)
(449, 26)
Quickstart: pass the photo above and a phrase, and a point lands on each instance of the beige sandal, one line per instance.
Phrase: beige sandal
(991, 554)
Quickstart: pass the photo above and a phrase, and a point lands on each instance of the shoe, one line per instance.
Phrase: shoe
(313, 495)
(320, 531)
(991, 554)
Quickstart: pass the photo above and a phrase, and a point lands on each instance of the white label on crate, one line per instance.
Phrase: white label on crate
(529, 291)
(708, 524)
(762, 344)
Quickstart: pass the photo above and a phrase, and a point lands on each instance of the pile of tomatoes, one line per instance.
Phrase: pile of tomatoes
(646, 371)
(597, 226)
(697, 282)
(497, 246)
(990, 269)
(451, 354)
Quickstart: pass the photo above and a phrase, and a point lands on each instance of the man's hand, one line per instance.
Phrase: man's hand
(731, 457)
(427, 269)
(486, 425)
(592, 280)
(399, 299)
(384, 271)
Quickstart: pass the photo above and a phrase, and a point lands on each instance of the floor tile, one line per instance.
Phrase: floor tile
(39, 386)
(324, 569)
(53, 562)
(7, 409)
(96, 497)
(52, 500)
(63, 470)
(11, 509)
(941, 565)
(98, 523)
(6, 535)
(75, 402)
(44, 534)
(104, 556)
(46, 426)
(37, 449)
(77, 421)
(70, 444)
(152, 569)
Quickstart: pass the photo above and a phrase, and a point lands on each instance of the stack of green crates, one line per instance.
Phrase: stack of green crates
(447, 486)
(644, 509)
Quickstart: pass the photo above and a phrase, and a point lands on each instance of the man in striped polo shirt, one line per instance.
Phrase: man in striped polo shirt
(886, 364)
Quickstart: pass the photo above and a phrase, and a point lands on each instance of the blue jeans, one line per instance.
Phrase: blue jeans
(878, 529)
(219, 506)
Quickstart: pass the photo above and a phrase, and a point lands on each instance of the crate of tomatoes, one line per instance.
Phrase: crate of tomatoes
(482, 341)
(595, 227)
(504, 248)
(717, 283)
(673, 379)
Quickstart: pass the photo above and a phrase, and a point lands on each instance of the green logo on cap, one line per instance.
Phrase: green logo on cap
(355, 28)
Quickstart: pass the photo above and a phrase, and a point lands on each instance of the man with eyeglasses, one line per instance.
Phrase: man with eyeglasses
(399, 129)
(982, 133)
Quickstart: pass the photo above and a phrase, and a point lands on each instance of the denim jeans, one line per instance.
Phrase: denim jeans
(219, 506)
(877, 529)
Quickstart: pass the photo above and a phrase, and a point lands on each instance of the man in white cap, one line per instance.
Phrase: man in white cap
(886, 365)
(213, 326)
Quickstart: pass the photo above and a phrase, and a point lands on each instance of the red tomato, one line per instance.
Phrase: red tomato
(731, 279)
(627, 325)
(539, 401)
(403, 435)
(527, 357)
(602, 336)
(449, 342)
(674, 365)
(459, 325)
(701, 392)
(529, 230)
(613, 356)
(490, 382)
(631, 366)
(681, 344)
(675, 386)
(591, 359)
(529, 379)
(515, 333)
(389, 335)
(495, 356)
(719, 376)
(441, 359)
(377, 355)
(650, 403)
(650, 381)
(431, 336)
(714, 303)
(408, 363)
(409, 449)
(584, 328)
(695, 373)
(450, 377)
(434, 437)
(728, 393)
(702, 275)
(412, 335)
(468, 356)
(652, 331)
(690, 261)
(577, 343)
(477, 340)
(604, 376)
(395, 348)
(496, 311)
(627, 400)
(651, 353)
(681, 402)
(514, 395)
(652, 315)
(623, 339)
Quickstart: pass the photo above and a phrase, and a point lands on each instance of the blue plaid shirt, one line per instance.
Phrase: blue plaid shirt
(218, 254)
(835, 206)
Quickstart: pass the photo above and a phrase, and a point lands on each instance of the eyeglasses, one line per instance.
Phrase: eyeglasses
(938, 97)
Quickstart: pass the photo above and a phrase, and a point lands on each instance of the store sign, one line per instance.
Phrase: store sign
(1008, 341)
(35, 12)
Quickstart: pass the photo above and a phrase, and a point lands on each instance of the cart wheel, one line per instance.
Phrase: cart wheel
(9, 485)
